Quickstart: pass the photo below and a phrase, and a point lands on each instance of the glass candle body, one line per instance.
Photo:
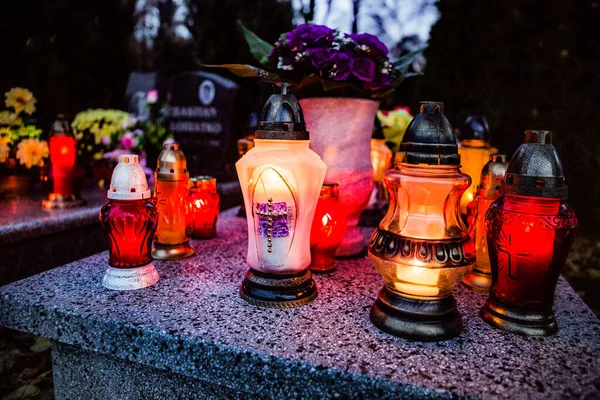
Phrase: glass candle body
(328, 227)
(129, 226)
(476, 212)
(422, 248)
(529, 239)
(204, 209)
(172, 203)
(282, 178)
(381, 156)
(474, 154)
(63, 153)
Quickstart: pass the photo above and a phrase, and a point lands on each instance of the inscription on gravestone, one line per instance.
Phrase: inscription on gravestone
(200, 114)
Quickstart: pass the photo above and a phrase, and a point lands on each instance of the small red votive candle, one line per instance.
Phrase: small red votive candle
(204, 207)
(328, 227)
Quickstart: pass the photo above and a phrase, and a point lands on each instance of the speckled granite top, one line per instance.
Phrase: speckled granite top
(194, 323)
(23, 218)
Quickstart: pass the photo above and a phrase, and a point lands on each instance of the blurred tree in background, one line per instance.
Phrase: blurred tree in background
(528, 64)
(77, 54)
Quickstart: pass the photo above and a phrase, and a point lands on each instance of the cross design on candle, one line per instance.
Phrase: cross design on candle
(272, 221)
(505, 244)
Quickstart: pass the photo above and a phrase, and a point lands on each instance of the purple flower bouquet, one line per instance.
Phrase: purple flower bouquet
(323, 61)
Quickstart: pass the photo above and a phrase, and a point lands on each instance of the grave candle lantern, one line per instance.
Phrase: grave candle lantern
(475, 151)
(381, 157)
(530, 229)
(63, 153)
(421, 247)
(281, 179)
(204, 207)
(129, 221)
(327, 230)
(172, 201)
(487, 191)
(243, 145)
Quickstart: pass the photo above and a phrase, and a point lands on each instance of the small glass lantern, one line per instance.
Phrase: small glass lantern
(281, 178)
(421, 247)
(172, 200)
(492, 174)
(381, 157)
(530, 230)
(475, 150)
(63, 153)
(129, 221)
(328, 227)
(204, 208)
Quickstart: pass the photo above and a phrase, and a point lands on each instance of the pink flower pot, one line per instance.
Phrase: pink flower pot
(340, 132)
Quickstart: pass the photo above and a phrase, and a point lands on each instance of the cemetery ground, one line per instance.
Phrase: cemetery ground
(26, 365)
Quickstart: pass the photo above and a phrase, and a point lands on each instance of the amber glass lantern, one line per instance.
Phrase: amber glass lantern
(63, 153)
(281, 179)
(487, 191)
(421, 247)
(328, 227)
(129, 221)
(172, 200)
(204, 208)
(381, 158)
(475, 150)
(530, 230)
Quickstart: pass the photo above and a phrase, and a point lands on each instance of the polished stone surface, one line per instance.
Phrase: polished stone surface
(193, 323)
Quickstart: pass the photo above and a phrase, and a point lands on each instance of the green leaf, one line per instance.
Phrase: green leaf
(258, 47)
(249, 71)
(41, 344)
(402, 64)
(24, 392)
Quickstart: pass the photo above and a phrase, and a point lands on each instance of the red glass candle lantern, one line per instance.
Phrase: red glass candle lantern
(172, 200)
(328, 227)
(422, 248)
(530, 229)
(129, 221)
(204, 208)
(63, 153)
(487, 191)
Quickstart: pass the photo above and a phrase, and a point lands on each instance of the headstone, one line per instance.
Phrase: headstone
(200, 114)
(138, 86)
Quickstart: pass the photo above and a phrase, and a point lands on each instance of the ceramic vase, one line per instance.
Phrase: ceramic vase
(340, 132)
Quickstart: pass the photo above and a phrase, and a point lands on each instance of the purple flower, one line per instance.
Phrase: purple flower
(381, 81)
(370, 43)
(364, 69)
(307, 35)
(321, 57)
(342, 67)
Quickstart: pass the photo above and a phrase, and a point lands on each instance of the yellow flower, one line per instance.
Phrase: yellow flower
(31, 152)
(8, 118)
(4, 149)
(21, 100)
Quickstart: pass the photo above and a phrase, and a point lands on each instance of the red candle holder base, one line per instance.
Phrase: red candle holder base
(518, 320)
(413, 319)
(321, 262)
(58, 201)
(271, 290)
(130, 278)
(478, 281)
(172, 252)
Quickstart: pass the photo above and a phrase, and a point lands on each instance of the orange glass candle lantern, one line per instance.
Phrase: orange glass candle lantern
(172, 200)
(487, 191)
(281, 178)
(63, 154)
(422, 248)
(530, 230)
(328, 227)
(204, 207)
(475, 150)
(129, 221)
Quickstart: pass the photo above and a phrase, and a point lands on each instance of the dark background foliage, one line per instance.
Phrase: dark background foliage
(525, 63)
